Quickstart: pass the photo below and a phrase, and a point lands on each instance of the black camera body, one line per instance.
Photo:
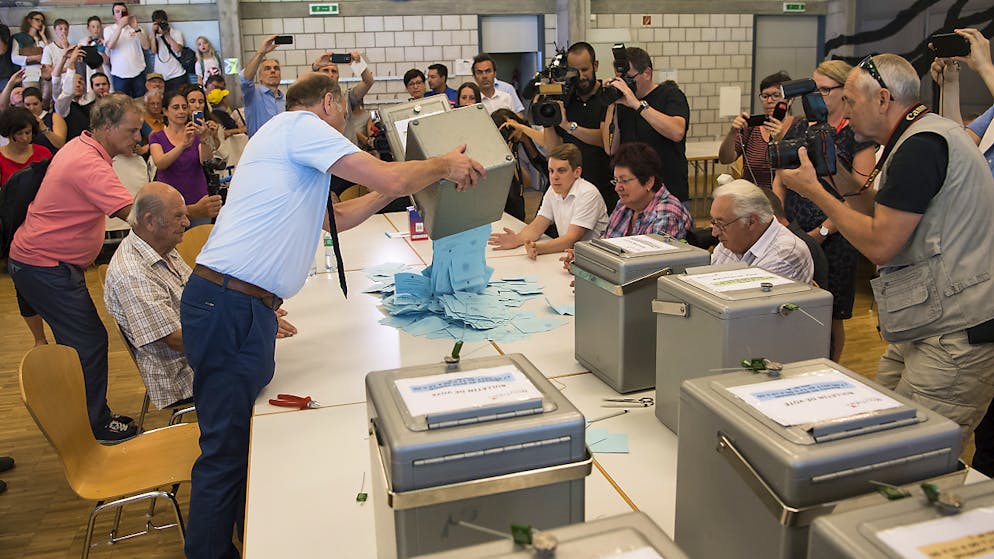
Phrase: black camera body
(378, 142)
(819, 139)
(609, 93)
(163, 26)
(214, 186)
(556, 82)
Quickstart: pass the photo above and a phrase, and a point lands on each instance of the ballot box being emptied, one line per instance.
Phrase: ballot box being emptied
(488, 441)
(633, 535)
(960, 524)
(708, 321)
(445, 210)
(760, 456)
(615, 284)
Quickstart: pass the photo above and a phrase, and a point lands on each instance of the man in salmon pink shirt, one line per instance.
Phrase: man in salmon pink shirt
(62, 235)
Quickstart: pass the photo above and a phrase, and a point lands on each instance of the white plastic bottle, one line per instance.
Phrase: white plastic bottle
(330, 263)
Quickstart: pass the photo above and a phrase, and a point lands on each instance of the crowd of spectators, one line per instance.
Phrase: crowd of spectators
(613, 165)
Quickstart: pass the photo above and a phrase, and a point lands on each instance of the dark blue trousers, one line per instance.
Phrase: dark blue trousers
(60, 296)
(230, 341)
(132, 87)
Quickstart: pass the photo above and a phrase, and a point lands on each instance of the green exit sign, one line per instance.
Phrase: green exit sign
(794, 7)
(322, 9)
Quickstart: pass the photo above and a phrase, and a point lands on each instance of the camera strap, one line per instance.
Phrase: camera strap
(910, 117)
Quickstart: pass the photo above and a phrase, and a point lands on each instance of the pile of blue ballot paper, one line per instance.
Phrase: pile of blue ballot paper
(455, 297)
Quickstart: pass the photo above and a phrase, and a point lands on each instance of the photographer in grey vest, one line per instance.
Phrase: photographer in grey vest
(929, 231)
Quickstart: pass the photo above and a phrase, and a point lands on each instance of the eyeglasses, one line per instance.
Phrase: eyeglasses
(38, 18)
(868, 65)
(825, 91)
(776, 96)
(622, 180)
(415, 82)
(722, 226)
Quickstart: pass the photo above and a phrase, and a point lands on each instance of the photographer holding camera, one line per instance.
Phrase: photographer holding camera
(656, 114)
(931, 236)
(167, 44)
(582, 115)
(857, 160)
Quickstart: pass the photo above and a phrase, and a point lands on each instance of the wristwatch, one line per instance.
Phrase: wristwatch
(823, 231)
(572, 127)
(642, 106)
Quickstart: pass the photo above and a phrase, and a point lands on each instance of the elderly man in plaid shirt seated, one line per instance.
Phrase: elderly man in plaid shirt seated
(144, 284)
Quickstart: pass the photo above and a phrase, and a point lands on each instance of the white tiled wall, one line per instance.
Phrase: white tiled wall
(707, 51)
(391, 44)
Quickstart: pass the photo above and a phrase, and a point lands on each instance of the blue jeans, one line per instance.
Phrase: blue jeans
(60, 296)
(230, 341)
(132, 87)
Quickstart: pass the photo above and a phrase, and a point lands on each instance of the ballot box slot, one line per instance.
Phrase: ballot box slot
(472, 416)
(882, 466)
(489, 452)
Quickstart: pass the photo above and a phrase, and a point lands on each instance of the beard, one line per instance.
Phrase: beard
(584, 87)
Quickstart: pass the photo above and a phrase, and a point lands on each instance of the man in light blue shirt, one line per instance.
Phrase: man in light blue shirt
(263, 100)
(258, 253)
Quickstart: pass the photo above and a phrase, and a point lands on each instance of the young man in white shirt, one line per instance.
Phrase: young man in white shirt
(125, 42)
(166, 46)
(485, 73)
(573, 204)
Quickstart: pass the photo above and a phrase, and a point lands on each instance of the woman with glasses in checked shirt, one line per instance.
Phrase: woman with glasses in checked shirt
(855, 161)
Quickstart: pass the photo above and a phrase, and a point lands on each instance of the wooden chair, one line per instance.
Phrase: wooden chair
(51, 380)
(193, 241)
(178, 411)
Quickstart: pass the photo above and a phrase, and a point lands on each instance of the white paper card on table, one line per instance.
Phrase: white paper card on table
(729, 101)
(968, 534)
(640, 553)
(458, 391)
(640, 244)
(735, 280)
(813, 397)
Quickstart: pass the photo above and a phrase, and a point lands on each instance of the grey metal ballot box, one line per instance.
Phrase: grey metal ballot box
(871, 532)
(488, 441)
(712, 318)
(615, 283)
(445, 210)
(760, 457)
(633, 533)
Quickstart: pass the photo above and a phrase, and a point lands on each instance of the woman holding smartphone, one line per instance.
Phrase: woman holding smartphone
(179, 151)
(749, 142)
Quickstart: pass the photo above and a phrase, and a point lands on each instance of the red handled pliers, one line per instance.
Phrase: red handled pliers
(292, 401)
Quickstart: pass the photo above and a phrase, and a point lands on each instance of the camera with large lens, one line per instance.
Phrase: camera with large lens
(378, 142)
(819, 139)
(610, 93)
(215, 184)
(554, 83)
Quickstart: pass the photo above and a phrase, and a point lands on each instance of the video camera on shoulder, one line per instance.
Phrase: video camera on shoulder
(556, 82)
(611, 94)
(819, 139)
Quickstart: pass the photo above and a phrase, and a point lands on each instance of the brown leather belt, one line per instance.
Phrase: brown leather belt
(235, 284)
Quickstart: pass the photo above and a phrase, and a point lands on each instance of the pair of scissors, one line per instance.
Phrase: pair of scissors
(292, 401)
(642, 402)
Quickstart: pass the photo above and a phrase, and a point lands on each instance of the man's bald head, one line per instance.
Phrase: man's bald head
(158, 216)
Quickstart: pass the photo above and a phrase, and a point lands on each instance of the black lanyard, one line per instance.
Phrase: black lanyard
(910, 117)
(338, 249)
